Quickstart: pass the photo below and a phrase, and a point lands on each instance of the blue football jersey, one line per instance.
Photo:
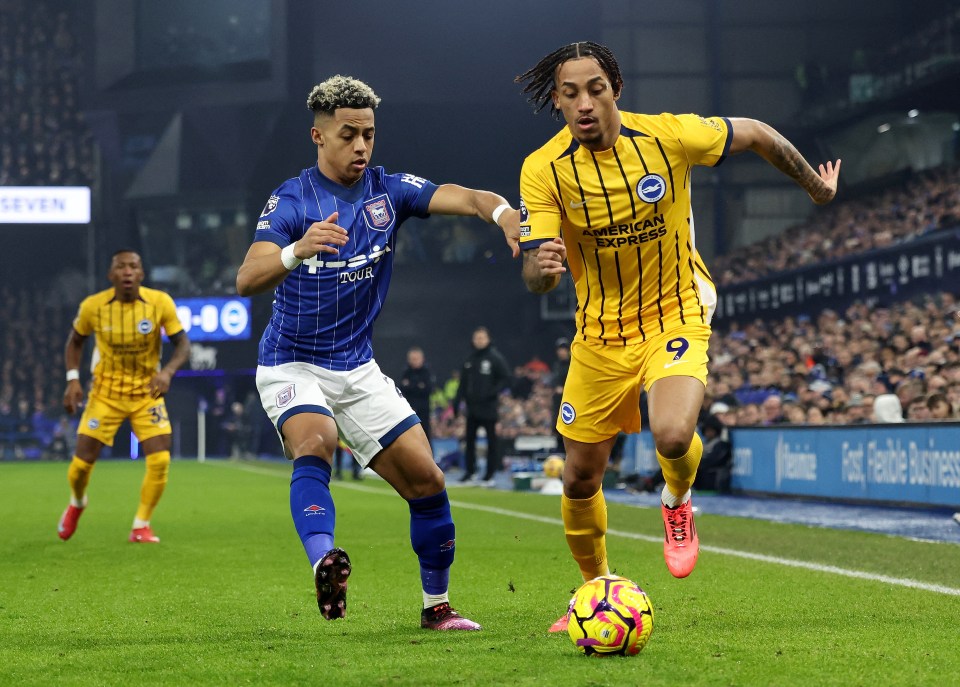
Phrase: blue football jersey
(324, 310)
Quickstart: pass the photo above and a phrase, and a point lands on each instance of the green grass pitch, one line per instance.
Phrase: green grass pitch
(227, 597)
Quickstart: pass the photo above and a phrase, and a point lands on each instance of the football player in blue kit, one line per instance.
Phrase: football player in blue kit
(324, 244)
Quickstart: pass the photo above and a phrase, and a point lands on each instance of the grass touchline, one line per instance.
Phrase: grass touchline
(762, 558)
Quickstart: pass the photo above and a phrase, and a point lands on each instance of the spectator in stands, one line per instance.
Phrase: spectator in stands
(939, 407)
(794, 414)
(717, 460)
(748, 415)
(887, 409)
(952, 392)
(917, 410)
(723, 412)
(524, 377)
(772, 409)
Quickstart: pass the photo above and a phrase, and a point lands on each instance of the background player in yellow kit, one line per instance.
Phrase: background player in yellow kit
(610, 195)
(128, 383)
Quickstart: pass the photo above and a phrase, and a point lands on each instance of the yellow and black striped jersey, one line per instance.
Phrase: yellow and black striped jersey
(127, 352)
(625, 218)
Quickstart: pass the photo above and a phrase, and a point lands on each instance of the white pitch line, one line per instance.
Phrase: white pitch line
(775, 560)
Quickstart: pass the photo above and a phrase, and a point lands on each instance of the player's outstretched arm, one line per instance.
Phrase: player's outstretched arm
(266, 264)
(160, 383)
(768, 143)
(450, 199)
(73, 395)
(543, 266)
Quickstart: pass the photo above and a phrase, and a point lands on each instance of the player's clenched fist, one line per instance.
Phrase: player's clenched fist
(550, 257)
(321, 237)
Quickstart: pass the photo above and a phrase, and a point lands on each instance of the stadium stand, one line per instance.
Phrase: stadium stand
(43, 138)
(830, 370)
(924, 203)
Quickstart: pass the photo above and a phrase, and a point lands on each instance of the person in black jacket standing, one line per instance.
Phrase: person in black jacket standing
(417, 383)
(485, 374)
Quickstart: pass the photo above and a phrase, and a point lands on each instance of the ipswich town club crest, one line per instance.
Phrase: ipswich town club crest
(379, 213)
(286, 395)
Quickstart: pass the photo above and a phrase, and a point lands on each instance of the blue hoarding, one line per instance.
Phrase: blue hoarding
(912, 463)
(917, 463)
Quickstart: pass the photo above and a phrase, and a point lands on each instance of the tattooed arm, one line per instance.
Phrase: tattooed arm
(543, 266)
(765, 141)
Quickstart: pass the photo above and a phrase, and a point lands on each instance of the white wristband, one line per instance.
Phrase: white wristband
(500, 209)
(287, 257)
(72, 375)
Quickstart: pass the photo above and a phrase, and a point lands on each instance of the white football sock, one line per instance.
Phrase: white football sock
(671, 501)
(431, 600)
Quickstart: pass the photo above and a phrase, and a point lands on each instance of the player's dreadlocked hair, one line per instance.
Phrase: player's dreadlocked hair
(341, 91)
(541, 76)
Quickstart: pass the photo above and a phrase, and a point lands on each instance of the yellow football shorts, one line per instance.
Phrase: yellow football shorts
(602, 393)
(101, 418)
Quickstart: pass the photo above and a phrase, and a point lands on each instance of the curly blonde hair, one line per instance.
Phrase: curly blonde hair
(341, 91)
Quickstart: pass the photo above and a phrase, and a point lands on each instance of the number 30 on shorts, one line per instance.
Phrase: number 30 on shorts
(678, 347)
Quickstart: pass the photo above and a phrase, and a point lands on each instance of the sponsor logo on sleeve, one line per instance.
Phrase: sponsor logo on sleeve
(271, 205)
(413, 180)
(712, 123)
(263, 225)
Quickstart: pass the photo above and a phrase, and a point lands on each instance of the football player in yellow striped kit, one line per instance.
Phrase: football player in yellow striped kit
(608, 197)
(128, 383)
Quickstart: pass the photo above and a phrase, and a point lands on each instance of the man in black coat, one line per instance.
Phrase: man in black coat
(416, 384)
(484, 375)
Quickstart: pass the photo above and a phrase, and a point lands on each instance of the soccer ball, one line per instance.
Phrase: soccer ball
(610, 616)
(553, 467)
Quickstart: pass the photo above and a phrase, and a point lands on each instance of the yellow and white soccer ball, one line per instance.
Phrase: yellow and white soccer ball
(553, 467)
(610, 616)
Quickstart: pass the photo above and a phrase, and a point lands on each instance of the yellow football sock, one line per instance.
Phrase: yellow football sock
(679, 473)
(154, 482)
(585, 524)
(78, 476)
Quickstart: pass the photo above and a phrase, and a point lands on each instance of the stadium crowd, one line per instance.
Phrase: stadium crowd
(868, 364)
(31, 364)
(836, 369)
(928, 202)
(43, 137)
